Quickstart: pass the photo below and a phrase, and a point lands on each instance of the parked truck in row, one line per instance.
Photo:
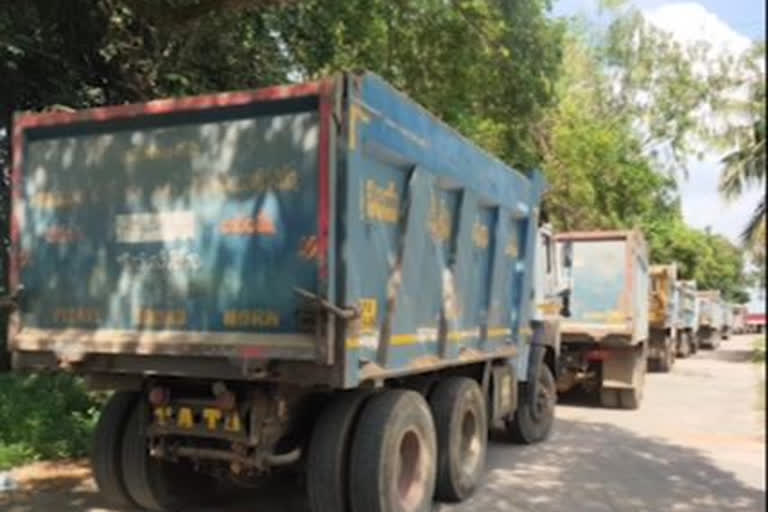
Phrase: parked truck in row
(663, 317)
(739, 325)
(687, 318)
(604, 340)
(727, 325)
(711, 318)
(320, 276)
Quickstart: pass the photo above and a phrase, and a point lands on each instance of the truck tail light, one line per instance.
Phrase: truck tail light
(597, 355)
(159, 396)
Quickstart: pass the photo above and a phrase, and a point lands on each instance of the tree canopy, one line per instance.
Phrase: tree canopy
(608, 114)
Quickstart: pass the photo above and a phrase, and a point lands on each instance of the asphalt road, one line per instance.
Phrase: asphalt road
(696, 444)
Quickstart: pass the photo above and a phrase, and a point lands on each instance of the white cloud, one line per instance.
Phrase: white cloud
(691, 23)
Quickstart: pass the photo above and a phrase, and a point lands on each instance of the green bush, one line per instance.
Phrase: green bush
(759, 347)
(44, 417)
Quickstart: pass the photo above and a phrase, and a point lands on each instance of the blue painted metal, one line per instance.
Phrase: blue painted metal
(688, 311)
(609, 285)
(448, 277)
(711, 308)
(238, 197)
(203, 226)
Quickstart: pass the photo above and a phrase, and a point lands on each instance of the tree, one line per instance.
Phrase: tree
(486, 67)
(667, 90)
(602, 177)
(744, 166)
(599, 175)
(713, 261)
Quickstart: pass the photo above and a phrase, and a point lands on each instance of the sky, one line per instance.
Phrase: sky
(729, 25)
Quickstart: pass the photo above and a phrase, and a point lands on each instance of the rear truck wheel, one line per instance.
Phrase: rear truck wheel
(532, 421)
(694, 340)
(154, 484)
(684, 346)
(394, 455)
(459, 411)
(666, 360)
(328, 456)
(107, 449)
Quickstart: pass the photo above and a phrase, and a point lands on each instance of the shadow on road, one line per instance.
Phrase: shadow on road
(584, 467)
(730, 356)
(600, 467)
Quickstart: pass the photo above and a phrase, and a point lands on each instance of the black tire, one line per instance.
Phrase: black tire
(666, 361)
(154, 484)
(459, 409)
(107, 449)
(684, 347)
(532, 422)
(329, 449)
(394, 455)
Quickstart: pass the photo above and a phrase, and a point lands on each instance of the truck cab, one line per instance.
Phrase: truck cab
(552, 277)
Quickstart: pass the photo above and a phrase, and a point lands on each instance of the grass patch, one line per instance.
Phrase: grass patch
(758, 346)
(44, 417)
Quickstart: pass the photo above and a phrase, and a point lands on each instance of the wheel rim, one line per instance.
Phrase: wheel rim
(470, 446)
(412, 471)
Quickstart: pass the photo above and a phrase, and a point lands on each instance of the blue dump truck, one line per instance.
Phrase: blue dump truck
(687, 318)
(320, 276)
(605, 338)
(663, 317)
(711, 319)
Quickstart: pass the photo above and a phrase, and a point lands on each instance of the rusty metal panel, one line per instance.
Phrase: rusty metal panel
(710, 308)
(663, 298)
(183, 228)
(609, 295)
(172, 233)
(446, 270)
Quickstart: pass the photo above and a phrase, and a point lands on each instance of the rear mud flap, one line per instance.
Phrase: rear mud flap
(624, 368)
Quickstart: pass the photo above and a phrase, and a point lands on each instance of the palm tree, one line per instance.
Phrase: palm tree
(744, 167)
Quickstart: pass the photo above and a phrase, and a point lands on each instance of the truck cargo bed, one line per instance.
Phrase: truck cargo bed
(609, 294)
(333, 229)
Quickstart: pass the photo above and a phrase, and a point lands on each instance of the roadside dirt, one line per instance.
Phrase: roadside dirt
(696, 444)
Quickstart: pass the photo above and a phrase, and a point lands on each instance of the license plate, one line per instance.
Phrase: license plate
(211, 419)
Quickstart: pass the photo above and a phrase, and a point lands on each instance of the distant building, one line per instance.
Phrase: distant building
(755, 322)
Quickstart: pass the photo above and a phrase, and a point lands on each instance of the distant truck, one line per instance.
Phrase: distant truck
(321, 275)
(663, 317)
(711, 319)
(605, 339)
(739, 325)
(727, 326)
(687, 318)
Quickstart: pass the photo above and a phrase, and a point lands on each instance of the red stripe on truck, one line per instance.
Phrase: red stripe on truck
(169, 105)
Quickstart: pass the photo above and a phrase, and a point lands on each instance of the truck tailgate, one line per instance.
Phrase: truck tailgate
(170, 228)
